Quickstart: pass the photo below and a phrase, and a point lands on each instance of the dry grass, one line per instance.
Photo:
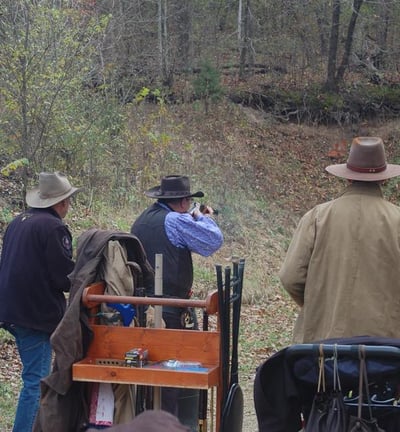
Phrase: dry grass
(262, 176)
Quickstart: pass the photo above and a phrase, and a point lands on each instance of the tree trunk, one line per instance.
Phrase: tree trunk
(330, 83)
(323, 24)
(349, 41)
(240, 23)
(163, 42)
(182, 13)
(385, 11)
(246, 51)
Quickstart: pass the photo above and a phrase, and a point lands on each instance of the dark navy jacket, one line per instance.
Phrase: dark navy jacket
(149, 228)
(36, 259)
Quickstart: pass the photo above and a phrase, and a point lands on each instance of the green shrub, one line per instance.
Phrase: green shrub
(207, 85)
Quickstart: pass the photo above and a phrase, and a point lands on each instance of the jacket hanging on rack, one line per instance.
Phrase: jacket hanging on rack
(64, 404)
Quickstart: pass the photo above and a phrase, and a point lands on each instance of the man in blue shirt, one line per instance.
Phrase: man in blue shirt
(36, 259)
(167, 228)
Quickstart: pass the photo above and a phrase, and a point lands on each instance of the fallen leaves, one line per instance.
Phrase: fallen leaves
(10, 365)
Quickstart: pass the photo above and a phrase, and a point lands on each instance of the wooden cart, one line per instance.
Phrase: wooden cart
(105, 358)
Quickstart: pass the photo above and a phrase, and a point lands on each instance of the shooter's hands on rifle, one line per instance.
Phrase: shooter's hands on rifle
(206, 210)
(199, 209)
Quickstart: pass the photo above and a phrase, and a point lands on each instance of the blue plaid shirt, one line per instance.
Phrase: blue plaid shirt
(200, 235)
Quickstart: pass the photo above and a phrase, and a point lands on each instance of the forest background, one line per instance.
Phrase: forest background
(249, 98)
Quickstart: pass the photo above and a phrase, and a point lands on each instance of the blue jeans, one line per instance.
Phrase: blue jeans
(35, 352)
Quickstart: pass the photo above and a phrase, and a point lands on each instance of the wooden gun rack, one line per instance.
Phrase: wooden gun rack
(106, 353)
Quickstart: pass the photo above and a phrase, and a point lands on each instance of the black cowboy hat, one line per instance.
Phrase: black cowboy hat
(173, 186)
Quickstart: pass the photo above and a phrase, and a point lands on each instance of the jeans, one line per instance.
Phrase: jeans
(35, 352)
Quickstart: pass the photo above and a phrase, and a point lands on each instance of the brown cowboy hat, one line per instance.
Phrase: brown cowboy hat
(366, 162)
(52, 189)
(173, 186)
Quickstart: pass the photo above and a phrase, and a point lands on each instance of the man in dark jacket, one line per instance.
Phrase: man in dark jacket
(167, 228)
(36, 259)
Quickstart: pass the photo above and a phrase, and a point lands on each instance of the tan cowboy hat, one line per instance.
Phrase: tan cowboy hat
(53, 188)
(173, 186)
(366, 162)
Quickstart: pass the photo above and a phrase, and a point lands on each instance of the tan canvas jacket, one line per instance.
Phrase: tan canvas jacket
(343, 267)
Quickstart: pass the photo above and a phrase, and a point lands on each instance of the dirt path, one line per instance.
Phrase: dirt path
(249, 415)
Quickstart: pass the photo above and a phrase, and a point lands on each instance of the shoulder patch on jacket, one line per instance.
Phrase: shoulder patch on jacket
(66, 242)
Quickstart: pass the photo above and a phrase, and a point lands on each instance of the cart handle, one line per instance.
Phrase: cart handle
(380, 351)
(93, 295)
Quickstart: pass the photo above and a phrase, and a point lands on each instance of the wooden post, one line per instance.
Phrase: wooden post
(158, 291)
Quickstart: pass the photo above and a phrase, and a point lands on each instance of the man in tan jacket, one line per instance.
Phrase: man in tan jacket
(343, 264)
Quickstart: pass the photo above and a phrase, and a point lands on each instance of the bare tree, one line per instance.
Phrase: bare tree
(163, 42)
(335, 75)
(245, 41)
(44, 57)
(183, 28)
(385, 11)
(333, 46)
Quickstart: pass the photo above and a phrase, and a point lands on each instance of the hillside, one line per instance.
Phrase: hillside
(117, 94)
(265, 174)
(262, 175)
